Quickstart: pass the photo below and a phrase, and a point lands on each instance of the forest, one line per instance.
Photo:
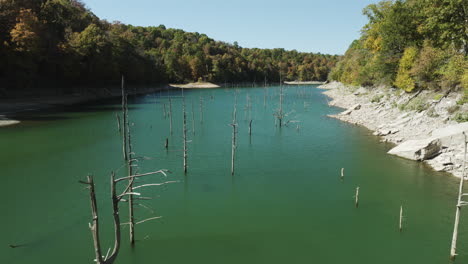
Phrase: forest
(60, 44)
(410, 44)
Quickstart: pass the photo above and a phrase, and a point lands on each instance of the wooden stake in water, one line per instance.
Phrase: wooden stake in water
(124, 114)
(201, 110)
(401, 218)
(184, 134)
(170, 115)
(357, 197)
(118, 121)
(193, 120)
(453, 248)
(234, 126)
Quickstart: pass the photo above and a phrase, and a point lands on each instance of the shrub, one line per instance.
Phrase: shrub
(377, 98)
(403, 78)
(461, 117)
(417, 105)
(453, 72)
(426, 67)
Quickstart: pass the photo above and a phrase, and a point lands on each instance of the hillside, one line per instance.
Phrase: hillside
(59, 44)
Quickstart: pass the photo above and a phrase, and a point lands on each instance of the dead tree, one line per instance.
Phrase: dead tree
(130, 184)
(124, 114)
(193, 120)
(116, 199)
(118, 122)
(201, 110)
(234, 126)
(184, 134)
(250, 127)
(264, 93)
(460, 203)
(401, 219)
(356, 197)
(170, 115)
(280, 114)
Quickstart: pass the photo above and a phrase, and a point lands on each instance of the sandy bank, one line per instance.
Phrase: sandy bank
(399, 117)
(303, 82)
(197, 85)
(8, 122)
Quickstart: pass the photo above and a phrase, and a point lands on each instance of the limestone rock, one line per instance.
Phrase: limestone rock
(422, 149)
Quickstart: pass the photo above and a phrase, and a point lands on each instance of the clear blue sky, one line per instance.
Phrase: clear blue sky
(326, 26)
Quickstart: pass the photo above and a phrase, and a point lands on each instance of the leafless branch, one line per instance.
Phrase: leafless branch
(163, 172)
(148, 219)
(154, 184)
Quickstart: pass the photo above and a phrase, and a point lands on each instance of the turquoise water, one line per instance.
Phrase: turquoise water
(285, 203)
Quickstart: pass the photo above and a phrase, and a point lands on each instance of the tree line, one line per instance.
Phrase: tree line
(61, 43)
(410, 44)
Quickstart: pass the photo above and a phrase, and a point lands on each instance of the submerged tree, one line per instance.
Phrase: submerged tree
(116, 199)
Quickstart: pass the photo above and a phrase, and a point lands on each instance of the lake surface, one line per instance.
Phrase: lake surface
(285, 203)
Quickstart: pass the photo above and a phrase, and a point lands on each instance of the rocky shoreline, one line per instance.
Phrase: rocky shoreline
(423, 125)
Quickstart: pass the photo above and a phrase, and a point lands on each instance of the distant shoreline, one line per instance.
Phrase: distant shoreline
(197, 85)
(304, 82)
(12, 107)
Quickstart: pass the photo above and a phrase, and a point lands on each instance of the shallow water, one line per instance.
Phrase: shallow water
(285, 203)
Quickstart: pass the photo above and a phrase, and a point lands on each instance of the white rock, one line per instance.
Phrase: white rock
(417, 149)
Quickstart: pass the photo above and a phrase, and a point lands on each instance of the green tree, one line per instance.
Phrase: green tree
(404, 79)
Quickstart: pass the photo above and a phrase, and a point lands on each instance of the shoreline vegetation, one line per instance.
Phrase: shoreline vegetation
(424, 126)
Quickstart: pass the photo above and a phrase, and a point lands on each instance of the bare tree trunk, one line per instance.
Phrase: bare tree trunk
(234, 125)
(166, 145)
(130, 197)
(250, 127)
(118, 122)
(185, 134)
(124, 135)
(357, 197)
(281, 107)
(193, 120)
(170, 115)
(342, 173)
(201, 110)
(95, 226)
(460, 203)
(401, 219)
